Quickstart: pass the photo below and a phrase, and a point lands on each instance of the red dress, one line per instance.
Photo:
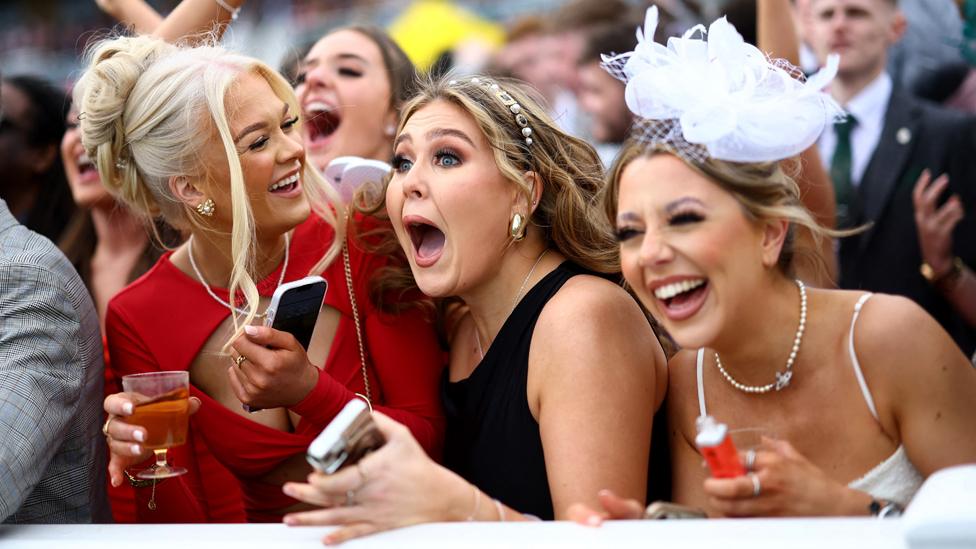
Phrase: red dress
(161, 321)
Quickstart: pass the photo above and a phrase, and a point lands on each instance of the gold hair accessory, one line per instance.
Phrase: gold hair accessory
(490, 86)
(517, 229)
(206, 208)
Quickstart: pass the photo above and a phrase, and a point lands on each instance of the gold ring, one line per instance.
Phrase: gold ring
(105, 426)
(239, 360)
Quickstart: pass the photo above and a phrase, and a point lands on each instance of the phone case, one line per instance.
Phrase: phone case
(348, 438)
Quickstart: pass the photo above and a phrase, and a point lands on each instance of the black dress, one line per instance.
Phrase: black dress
(492, 439)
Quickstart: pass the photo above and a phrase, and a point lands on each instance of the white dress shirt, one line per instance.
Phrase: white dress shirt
(868, 107)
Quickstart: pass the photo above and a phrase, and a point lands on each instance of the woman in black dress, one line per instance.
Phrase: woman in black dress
(555, 373)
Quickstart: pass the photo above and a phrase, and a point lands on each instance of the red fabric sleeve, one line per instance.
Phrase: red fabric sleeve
(180, 499)
(409, 362)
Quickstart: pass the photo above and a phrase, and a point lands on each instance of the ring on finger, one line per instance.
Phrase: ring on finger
(105, 426)
(751, 459)
(350, 498)
(239, 360)
(756, 486)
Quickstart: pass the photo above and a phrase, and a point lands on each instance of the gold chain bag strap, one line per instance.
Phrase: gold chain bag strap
(368, 397)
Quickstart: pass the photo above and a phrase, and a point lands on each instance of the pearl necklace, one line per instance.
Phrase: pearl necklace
(782, 378)
(281, 278)
(517, 296)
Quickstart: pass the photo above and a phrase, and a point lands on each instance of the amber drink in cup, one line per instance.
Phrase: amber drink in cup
(162, 408)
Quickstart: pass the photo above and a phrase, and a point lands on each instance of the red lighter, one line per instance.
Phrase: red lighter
(716, 446)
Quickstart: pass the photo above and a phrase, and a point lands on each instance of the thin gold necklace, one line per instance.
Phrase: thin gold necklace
(518, 296)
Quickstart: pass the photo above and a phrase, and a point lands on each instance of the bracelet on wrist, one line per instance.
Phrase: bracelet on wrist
(500, 509)
(477, 504)
(884, 509)
(943, 280)
(138, 482)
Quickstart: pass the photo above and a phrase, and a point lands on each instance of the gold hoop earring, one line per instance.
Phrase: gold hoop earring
(517, 228)
(206, 208)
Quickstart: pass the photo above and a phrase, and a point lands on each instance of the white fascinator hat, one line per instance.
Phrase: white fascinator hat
(709, 94)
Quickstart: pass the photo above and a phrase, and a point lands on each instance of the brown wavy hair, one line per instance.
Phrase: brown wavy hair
(571, 173)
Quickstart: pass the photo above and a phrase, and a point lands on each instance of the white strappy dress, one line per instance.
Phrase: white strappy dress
(894, 479)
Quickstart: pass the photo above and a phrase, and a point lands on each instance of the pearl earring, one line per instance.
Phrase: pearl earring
(390, 130)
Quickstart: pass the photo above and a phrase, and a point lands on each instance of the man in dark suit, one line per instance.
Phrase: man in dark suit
(876, 156)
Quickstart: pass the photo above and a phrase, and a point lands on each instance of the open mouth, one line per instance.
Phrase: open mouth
(428, 241)
(683, 298)
(321, 121)
(285, 185)
(86, 169)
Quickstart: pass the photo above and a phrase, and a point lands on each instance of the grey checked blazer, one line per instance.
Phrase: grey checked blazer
(52, 453)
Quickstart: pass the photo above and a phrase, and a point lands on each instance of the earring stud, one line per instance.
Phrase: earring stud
(206, 208)
(517, 228)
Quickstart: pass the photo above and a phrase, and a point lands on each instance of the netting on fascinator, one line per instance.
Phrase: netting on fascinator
(710, 94)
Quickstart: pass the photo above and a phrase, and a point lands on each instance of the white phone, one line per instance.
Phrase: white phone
(346, 439)
(295, 307)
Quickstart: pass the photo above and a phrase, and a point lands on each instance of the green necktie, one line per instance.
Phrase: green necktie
(840, 171)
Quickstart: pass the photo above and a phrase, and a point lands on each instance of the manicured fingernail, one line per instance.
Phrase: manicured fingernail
(116, 482)
(288, 490)
(127, 408)
(135, 449)
(593, 520)
(139, 435)
(290, 521)
(251, 330)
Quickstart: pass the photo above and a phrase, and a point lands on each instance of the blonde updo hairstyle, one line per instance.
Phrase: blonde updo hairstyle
(568, 167)
(765, 191)
(147, 107)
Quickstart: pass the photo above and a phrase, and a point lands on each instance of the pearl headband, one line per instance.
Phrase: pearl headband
(492, 88)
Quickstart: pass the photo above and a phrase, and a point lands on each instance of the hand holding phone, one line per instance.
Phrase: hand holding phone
(346, 439)
(295, 308)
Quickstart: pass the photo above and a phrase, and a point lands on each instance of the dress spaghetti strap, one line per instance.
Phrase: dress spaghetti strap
(701, 384)
(855, 363)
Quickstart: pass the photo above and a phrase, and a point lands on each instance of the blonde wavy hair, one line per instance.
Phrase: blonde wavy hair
(568, 167)
(765, 191)
(148, 107)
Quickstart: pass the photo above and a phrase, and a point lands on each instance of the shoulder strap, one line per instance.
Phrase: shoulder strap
(347, 267)
(855, 363)
(701, 383)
